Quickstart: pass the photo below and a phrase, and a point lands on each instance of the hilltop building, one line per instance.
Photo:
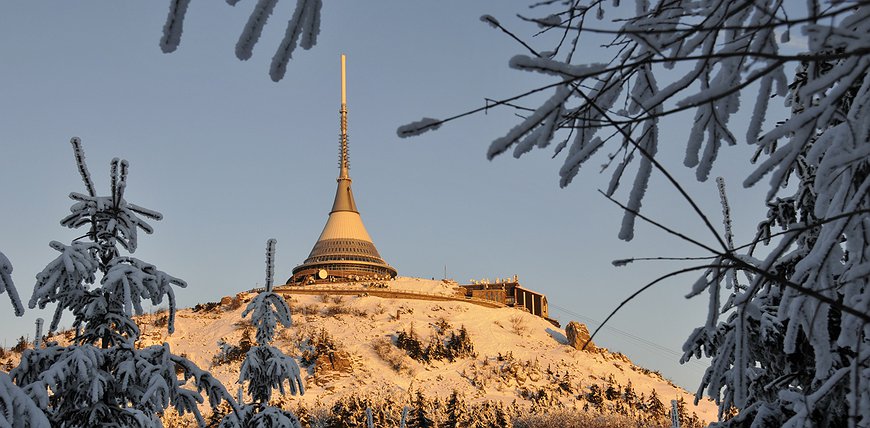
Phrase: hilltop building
(344, 252)
(509, 292)
(344, 249)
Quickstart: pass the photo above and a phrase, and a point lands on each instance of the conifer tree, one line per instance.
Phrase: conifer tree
(265, 367)
(419, 415)
(594, 396)
(612, 391)
(457, 413)
(15, 405)
(629, 395)
(807, 300)
(102, 378)
(655, 405)
(502, 418)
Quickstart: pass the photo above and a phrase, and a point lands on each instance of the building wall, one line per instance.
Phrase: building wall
(512, 294)
(495, 295)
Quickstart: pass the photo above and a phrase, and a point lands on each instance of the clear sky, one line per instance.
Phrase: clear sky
(231, 158)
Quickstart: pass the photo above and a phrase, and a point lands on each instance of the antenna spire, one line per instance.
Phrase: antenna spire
(344, 164)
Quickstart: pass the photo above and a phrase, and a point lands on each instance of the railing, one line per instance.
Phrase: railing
(381, 292)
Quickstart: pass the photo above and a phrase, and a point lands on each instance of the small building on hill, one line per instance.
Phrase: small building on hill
(510, 293)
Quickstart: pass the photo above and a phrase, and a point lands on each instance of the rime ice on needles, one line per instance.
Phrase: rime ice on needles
(174, 25)
(270, 263)
(418, 127)
(810, 295)
(16, 407)
(8, 286)
(102, 378)
(105, 312)
(254, 28)
(265, 367)
(305, 23)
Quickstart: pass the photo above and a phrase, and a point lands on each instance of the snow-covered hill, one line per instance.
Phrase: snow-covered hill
(348, 344)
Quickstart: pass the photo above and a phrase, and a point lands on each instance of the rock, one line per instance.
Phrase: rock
(339, 361)
(578, 335)
(226, 301)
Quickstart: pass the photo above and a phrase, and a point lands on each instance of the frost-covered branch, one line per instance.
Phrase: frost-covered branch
(809, 296)
(302, 30)
(270, 263)
(174, 25)
(16, 407)
(6, 285)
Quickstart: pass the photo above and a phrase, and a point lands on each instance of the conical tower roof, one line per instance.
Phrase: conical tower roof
(344, 249)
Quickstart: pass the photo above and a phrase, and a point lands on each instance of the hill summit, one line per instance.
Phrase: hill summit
(410, 342)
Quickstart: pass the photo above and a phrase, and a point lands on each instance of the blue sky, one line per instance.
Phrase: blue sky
(231, 158)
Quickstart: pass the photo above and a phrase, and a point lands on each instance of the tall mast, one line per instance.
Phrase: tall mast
(344, 164)
(344, 249)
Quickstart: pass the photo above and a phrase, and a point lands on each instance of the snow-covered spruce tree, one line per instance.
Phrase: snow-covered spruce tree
(102, 379)
(265, 367)
(789, 340)
(16, 407)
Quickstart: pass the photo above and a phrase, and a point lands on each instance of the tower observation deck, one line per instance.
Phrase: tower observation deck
(344, 249)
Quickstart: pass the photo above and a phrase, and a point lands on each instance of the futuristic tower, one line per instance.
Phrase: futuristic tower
(344, 249)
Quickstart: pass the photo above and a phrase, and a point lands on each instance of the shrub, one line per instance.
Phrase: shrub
(206, 307)
(518, 325)
(309, 309)
(235, 303)
(160, 320)
(316, 345)
(392, 356)
(333, 310)
(229, 353)
(442, 326)
(20, 346)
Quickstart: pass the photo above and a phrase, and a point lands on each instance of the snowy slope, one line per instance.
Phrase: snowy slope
(540, 357)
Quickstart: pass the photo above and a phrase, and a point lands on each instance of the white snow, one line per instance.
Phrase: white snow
(416, 128)
(197, 334)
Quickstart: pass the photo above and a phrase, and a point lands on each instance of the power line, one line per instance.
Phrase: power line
(694, 363)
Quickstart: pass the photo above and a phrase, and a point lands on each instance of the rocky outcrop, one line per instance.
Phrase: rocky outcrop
(332, 365)
(339, 361)
(578, 335)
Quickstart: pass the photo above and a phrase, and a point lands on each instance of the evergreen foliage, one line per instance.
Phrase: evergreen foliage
(316, 345)
(787, 341)
(457, 345)
(420, 416)
(231, 353)
(457, 416)
(16, 407)
(786, 329)
(7, 286)
(266, 368)
(455, 411)
(101, 378)
(594, 396)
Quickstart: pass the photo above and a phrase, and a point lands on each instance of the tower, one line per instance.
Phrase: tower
(344, 249)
